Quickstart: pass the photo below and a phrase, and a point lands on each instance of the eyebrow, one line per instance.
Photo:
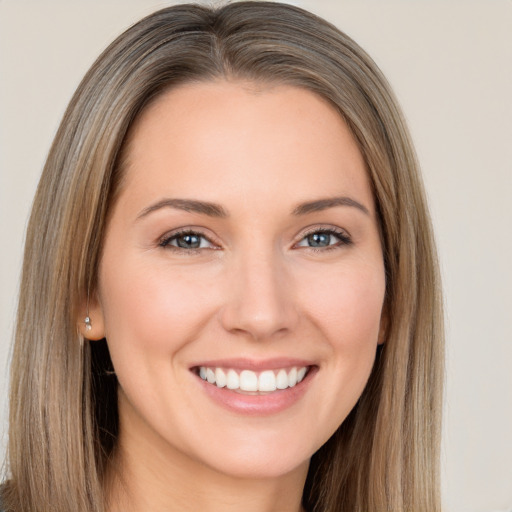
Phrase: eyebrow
(188, 205)
(216, 210)
(323, 204)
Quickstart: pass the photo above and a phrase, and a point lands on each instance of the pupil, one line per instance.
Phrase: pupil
(319, 239)
(189, 242)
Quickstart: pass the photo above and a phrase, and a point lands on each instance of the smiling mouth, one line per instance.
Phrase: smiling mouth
(249, 382)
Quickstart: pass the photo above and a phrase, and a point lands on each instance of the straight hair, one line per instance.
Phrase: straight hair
(63, 421)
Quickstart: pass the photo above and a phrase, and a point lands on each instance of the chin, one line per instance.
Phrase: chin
(272, 466)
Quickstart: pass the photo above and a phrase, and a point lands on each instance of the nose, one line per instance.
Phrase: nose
(260, 303)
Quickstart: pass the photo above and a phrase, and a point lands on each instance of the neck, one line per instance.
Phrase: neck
(144, 478)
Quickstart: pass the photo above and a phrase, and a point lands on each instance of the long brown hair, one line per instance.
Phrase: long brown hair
(63, 414)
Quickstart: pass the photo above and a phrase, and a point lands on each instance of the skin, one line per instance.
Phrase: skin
(256, 289)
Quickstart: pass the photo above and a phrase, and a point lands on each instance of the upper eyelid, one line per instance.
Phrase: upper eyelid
(315, 229)
(323, 229)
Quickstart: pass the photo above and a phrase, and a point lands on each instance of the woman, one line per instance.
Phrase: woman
(230, 293)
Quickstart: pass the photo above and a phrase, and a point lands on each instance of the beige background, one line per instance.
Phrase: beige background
(451, 65)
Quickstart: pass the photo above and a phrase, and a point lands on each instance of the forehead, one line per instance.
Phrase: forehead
(239, 138)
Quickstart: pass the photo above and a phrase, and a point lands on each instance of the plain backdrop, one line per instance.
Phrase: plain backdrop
(450, 64)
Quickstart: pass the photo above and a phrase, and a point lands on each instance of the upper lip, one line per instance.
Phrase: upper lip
(254, 364)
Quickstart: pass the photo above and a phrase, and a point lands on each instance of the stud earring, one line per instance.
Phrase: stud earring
(87, 319)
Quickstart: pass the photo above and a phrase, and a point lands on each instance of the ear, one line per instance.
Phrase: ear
(91, 323)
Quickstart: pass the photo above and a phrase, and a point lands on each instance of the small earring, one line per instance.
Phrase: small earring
(88, 325)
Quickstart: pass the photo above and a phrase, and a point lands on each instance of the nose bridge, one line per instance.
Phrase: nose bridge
(260, 303)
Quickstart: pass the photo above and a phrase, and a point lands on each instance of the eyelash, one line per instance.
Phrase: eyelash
(165, 242)
(342, 236)
(343, 240)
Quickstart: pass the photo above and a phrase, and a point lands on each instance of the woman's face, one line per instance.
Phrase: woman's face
(242, 279)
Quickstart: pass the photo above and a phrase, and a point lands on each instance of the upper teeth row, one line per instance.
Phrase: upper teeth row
(247, 380)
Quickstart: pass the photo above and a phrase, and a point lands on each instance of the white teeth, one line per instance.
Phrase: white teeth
(220, 378)
(233, 381)
(210, 375)
(282, 379)
(267, 381)
(292, 377)
(248, 380)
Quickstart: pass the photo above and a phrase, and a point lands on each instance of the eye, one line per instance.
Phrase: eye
(187, 241)
(325, 239)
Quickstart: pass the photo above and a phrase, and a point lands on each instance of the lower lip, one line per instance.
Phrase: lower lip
(258, 405)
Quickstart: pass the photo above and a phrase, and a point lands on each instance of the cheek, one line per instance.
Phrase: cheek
(155, 309)
(348, 313)
(348, 306)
